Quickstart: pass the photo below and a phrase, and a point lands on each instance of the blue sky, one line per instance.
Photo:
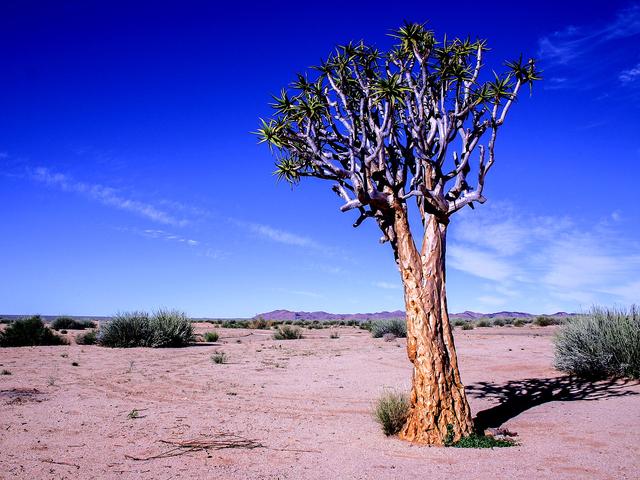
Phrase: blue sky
(129, 179)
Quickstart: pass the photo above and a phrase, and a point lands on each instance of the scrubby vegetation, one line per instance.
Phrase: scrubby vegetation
(259, 324)
(165, 328)
(211, 336)
(396, 326)
(467, 326)
(603, 343)
(519, 322)
(286, 332)
(89, 338)
(483, 323)
(481, 441)
(68, 323)
(170, 329)
(126, 330)
(219, 357)
(543, 321)
(391, 411)
(28, 332)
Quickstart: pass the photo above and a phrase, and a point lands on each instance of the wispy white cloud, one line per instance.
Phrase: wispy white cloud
(169, 237)
(282, 236)
(545, 257)
(587, 56)
(104, 195)
(631, 75)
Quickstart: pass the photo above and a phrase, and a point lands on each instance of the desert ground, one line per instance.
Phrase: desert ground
(305, 405)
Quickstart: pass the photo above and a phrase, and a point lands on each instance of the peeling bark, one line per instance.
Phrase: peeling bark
(439, 409)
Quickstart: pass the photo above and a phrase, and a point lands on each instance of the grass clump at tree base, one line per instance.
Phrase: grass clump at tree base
(391, 411)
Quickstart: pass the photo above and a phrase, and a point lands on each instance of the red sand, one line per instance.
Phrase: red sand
(307, 401)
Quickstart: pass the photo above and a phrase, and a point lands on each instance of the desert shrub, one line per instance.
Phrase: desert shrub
(498, 322)
(334, 335)
(285, 332)
(170, 328)
(68, 323)
(543, 321)
(259, 324)
(365, 326)
(126, 330)
(459, 323)
(519, 322)
(396, 326)
(219, 357)
(391, 411)
(235, 324)
(483, 323)
(508, 321)
(89, 338)
(388, 337)
(603, 343)
(28, 332)
(467, 326)
(211, 336)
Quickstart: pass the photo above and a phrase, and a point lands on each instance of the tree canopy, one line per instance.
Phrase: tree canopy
(385, 128)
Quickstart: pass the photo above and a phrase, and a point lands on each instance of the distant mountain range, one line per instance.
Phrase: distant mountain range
(468, 315)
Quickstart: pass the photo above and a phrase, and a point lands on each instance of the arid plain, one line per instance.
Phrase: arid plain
(300, 409)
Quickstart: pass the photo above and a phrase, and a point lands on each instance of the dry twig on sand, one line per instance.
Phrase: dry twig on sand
(223, 441)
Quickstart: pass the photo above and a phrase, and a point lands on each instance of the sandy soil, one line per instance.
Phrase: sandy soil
(308, 402)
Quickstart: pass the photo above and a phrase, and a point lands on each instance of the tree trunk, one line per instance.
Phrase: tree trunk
(439, 411)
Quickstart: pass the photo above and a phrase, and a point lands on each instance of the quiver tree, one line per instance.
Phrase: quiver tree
(389, 130)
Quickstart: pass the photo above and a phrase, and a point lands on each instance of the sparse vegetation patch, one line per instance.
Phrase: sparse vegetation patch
(286, 332)
(396, 326)
(391, 411)
(68, 323)
(28, 332)
(603, 343)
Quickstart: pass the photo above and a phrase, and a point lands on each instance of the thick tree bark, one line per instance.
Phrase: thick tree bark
(439, 409)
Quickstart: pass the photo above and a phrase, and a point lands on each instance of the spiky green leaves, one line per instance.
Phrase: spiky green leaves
(391, 89)
(526, 73)
(414, 38)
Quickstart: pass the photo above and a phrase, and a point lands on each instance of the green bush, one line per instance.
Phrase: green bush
(391, 411)
(259, 324)
(165, 328)
(519, 322)
(219, 357)
(171, 329)
(498, 322)
(68, 323)
(543, 321)
(459, 323)
(603, 343)
(211, 336)
(89, 338)
(467, 326)
(285, 332)
(396, 326)
(28, 332)
(483, 323)
(126, 330)
(481, 441)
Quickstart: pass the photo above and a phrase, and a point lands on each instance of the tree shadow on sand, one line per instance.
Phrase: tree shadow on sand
(517, 396)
